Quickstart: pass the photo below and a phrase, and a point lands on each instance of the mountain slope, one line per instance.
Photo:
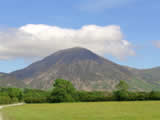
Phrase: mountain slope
(9, 80)
(85, 69)
(146, 79)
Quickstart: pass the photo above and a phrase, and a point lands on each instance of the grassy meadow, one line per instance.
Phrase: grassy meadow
(85, 111)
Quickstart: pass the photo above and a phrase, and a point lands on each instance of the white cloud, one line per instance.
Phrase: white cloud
(31, 41)
(96, 5)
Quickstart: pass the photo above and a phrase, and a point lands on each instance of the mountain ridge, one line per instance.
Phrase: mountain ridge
(86, 70)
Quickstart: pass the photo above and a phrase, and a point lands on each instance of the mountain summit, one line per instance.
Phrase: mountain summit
(85, 69)
(67, 56)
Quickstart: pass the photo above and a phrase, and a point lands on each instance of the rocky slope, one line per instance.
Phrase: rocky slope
(85, 69)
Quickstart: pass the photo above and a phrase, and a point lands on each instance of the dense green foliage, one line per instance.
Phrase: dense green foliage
(35, 96)
(10, 95)
(122, 86)
(64, 91)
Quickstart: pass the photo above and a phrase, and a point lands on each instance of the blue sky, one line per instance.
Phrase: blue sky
(137, 19)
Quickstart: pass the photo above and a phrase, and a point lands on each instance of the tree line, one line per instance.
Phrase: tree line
(64, 91)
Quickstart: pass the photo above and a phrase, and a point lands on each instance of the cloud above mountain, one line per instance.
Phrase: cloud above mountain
(34, 41)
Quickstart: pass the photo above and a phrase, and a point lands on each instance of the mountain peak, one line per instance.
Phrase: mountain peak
(74, 49)
(78, 48)
(74, 54)
(66, 56)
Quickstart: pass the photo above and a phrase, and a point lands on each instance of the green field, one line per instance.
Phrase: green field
(85, 111)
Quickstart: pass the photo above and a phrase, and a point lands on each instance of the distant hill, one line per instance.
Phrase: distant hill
(85, 69)
(9, 80)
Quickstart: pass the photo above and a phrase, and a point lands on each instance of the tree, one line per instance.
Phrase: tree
(122, 91)
(64, 84)
(122, 86)
(15, 92)
(63, 91)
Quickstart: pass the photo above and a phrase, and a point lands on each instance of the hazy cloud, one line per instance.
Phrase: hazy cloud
(31, 41)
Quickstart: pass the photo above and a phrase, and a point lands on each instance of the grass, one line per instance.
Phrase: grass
(86, 111)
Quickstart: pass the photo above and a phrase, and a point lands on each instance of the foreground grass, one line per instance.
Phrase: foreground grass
(86, 111)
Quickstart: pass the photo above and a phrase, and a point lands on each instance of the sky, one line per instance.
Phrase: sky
(124, 31)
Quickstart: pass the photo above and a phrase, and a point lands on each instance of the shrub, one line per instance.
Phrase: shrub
(5, 100)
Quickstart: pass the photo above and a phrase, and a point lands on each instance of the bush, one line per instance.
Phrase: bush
(35, 96)
(5, 100)
(142, 96)
(14, 100)
(31, 99)
(121, 95)
(154, 95)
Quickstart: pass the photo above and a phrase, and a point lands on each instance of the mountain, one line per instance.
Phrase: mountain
(9, 80)
(85, 69)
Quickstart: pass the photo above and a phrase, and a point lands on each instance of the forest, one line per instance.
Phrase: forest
(64, 91)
